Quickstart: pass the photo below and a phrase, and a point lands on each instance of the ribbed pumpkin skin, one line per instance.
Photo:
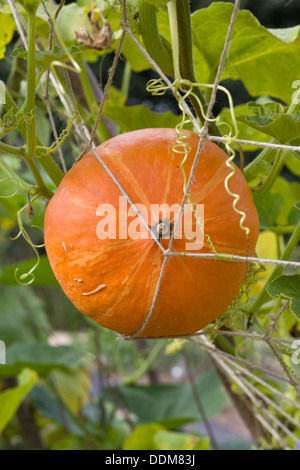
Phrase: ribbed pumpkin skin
(193, 292)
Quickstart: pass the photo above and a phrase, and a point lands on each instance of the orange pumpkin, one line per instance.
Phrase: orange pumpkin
(114, 280)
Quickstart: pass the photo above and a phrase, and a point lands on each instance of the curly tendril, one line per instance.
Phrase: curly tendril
(64, 134)
(10, 178)
(28, 277)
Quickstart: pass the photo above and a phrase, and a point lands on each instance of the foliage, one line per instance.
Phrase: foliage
(89, 390)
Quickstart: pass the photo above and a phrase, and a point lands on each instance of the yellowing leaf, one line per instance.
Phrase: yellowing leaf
(73, 387)
(7, 27)
(266, 248)
(267, 245)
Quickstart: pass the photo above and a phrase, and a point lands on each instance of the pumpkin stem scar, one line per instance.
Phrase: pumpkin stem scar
(102, 286)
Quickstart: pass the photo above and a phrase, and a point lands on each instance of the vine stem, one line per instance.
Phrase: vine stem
(174, 28)
(275, 170)
(187, 70)
(29, 105)
(17, 151)
(157, 46)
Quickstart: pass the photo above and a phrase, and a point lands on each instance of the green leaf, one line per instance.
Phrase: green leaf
(171, 440)
(11, 398)
(292, 162)
(71, 18)
(288, 287)
(245, 131)
(268, 109)
(49, 407)
(131, 118)
(268, 206)
(267, 62)
(43, 274)
(165, 403)
(45, 58)
(40, 357)
(153, 436)
(142, 438)
(283, 127)
(290, 191)
(134, 56)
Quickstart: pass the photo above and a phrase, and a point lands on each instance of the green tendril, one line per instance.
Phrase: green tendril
(64, 134)
(10, 178)
(23, 278)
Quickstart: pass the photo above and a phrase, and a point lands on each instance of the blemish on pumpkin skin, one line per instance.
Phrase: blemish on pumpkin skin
(102, 286)
(64, 247)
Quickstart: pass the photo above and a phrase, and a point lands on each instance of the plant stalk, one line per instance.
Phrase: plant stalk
(187, 71)
(47, 162)
(29, 106)
(156, 45)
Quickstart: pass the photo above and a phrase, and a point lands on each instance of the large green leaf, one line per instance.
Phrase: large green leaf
(11, 398)
(168, 403)
(40, 357)
(268, 206)
(254, 54)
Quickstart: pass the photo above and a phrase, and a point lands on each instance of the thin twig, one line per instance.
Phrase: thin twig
(223, 58)
(235, 258)
(292, 148)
